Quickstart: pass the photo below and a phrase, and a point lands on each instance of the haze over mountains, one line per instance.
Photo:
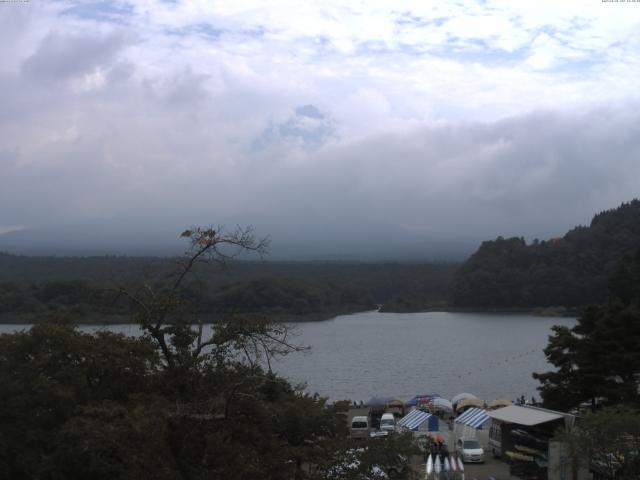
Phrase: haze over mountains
(311, 243)
(560, 275)
(357, 241)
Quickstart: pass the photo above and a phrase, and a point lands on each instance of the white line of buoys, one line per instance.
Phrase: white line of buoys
(461, 468)
(454, 464)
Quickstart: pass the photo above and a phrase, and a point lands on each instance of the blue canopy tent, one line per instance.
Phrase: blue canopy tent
(474, 418)
(418, 420)
(379, 401)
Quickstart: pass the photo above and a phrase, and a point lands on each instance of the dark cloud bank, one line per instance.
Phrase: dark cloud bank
(98, 157)
(426, 193)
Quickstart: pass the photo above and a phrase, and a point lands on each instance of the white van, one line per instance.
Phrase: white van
(388, 422)
(360, 427)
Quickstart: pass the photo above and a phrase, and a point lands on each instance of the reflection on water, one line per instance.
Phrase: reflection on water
(387, 354)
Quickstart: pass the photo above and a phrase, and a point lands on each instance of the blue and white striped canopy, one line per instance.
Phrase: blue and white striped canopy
(474, 417)
(414, 419)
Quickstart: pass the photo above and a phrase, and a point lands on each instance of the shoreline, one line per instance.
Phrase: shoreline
(210, 319)
(206, 318)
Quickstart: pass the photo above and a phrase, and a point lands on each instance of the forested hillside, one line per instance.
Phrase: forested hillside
(571, 271)
(84, 287)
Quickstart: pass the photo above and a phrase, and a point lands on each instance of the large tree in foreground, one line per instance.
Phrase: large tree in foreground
(607, 442)
(598, 360)
(175, 403)
(104, 406)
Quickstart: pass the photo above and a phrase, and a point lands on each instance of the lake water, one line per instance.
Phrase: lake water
(388, 354)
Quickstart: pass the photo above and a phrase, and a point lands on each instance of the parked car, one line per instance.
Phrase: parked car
(470, 450)
(360, 427)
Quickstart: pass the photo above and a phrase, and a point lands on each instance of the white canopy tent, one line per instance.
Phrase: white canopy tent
(442, 404)
(461, 396)
(528, 416)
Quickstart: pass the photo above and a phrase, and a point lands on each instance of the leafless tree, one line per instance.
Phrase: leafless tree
(252, 337)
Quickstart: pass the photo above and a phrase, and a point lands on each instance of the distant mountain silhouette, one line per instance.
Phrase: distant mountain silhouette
(571, 271)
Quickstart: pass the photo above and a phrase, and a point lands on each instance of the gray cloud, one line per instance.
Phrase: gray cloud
(339, 152)
(63, 55)
(535, 175)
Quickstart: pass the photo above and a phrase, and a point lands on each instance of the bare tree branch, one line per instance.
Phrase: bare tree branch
(253, 337)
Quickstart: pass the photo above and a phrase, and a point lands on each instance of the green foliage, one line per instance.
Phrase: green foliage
(281, 296)
(170, 404)
(51, 370)
(112, 441)
(372, 458)
(102, 406)
(598, 360)
(608, 442)
(571, 271)
(32, 287)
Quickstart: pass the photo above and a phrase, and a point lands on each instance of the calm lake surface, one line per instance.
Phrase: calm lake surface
(389, 354)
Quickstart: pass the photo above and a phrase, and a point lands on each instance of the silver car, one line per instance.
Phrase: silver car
(470, 451)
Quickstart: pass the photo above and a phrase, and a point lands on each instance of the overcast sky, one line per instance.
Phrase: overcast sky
(425, 120)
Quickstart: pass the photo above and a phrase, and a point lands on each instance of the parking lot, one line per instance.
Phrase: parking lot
(491, 467)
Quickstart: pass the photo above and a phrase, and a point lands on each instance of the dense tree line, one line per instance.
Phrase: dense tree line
(57, 297)
(571, 271)
(274, 296)
(31, 286)
(597, 364)
(598, 360)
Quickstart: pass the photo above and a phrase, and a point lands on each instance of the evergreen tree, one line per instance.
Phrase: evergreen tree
(598, 360)
(571, 271)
